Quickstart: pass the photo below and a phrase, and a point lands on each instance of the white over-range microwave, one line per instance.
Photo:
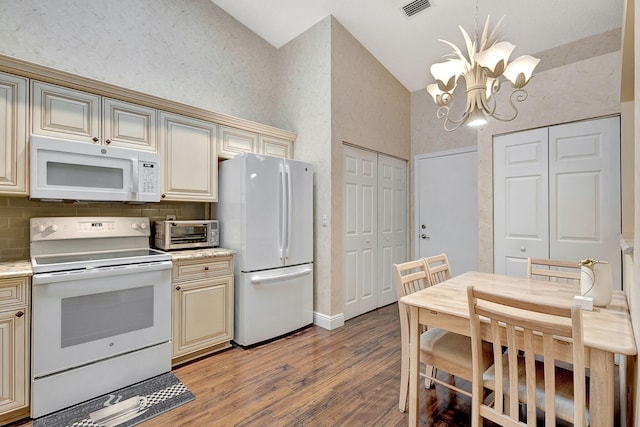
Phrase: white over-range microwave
(70, 170)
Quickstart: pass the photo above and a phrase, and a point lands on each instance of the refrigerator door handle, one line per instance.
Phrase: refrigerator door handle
(289, 209)
(283, 211)
(280, 277)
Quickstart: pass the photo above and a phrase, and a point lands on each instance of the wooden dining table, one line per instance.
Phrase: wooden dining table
(607, 330)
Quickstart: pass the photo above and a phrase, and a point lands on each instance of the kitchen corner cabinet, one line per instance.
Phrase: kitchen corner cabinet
(232, 141)
(202, 307)
(14, 348)
(275, 146)
(13, 135)
(189, 159)
(71, 114)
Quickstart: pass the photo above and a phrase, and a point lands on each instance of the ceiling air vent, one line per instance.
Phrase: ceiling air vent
(415, 7)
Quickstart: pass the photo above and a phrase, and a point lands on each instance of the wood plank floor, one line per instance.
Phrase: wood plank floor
(345, 377)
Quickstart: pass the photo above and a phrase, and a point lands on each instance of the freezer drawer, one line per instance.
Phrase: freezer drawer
(273, 302)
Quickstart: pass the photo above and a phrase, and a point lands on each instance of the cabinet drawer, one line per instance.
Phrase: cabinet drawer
(202, 268)
(14, 292)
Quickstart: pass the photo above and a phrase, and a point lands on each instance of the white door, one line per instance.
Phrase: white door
(392, 223)
(360, 231)
(520, 182)
(447, 207)
(557, 195)
(584, 192)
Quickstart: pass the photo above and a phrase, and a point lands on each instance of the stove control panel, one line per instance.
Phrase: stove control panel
(59, 228)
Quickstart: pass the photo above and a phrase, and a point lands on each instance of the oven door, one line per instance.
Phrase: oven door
(84, 316)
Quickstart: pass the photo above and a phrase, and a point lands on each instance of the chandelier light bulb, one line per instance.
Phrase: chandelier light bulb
(476, 119)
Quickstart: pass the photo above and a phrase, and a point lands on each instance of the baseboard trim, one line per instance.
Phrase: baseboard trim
(328, 322)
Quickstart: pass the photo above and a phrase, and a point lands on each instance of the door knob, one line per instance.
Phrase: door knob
(424, 236)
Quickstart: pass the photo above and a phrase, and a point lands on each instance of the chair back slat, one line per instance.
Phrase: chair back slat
(438, 268)
(553, 270)
(527, 330)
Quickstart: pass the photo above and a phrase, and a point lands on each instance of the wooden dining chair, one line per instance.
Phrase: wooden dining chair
(553, 270)
(439, 348)
(527, 329)
(438, 268)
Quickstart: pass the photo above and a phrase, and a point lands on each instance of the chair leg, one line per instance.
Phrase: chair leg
(404, 379)
(430, 371)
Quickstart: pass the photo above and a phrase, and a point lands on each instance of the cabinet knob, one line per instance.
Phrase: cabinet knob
(178, 288)
(95, 139)
(206, 268)
(163, 195)
(19, 314)
(108, 141)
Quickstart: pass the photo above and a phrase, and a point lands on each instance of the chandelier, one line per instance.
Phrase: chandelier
(487, 61)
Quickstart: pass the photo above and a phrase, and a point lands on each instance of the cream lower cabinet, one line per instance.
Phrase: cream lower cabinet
(202, 306)
(13, 140)
(189, 159)
(14, 349)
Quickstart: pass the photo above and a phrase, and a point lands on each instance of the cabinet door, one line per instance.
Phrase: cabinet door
(14, 358)
(13, 135)
(189, 159)
(129, 126)
(65, 113)
(275, 147)
(232, 141)
(202, 314)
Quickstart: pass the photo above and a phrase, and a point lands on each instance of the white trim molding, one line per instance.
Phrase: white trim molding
(328, 322)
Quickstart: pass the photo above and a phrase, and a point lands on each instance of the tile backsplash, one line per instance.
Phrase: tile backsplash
(15, 213)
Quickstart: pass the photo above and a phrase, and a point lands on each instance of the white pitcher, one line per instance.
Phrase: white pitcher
(596, 281)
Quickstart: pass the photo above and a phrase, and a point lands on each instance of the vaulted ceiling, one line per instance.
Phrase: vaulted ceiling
(407, 46)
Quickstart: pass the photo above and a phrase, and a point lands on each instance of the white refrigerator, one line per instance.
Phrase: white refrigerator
(265, 209)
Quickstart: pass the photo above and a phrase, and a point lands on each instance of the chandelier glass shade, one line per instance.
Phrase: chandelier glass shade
(483, 69)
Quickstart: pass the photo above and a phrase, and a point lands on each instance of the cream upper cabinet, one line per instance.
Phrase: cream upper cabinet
(275, 146)
(64, 113)
(13, 135)
(71, 114)
(14, 349)
(129, 125)
(189, 158)
(232, 141)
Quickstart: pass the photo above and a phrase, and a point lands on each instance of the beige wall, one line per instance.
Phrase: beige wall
(188, 51)
(369, 109)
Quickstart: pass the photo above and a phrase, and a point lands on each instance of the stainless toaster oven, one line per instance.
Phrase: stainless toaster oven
(187, 234)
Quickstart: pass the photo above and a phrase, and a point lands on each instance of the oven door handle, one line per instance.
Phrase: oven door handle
(94, 273)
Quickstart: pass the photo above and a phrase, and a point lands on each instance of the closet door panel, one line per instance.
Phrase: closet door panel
(584, 192)
(521, 223)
